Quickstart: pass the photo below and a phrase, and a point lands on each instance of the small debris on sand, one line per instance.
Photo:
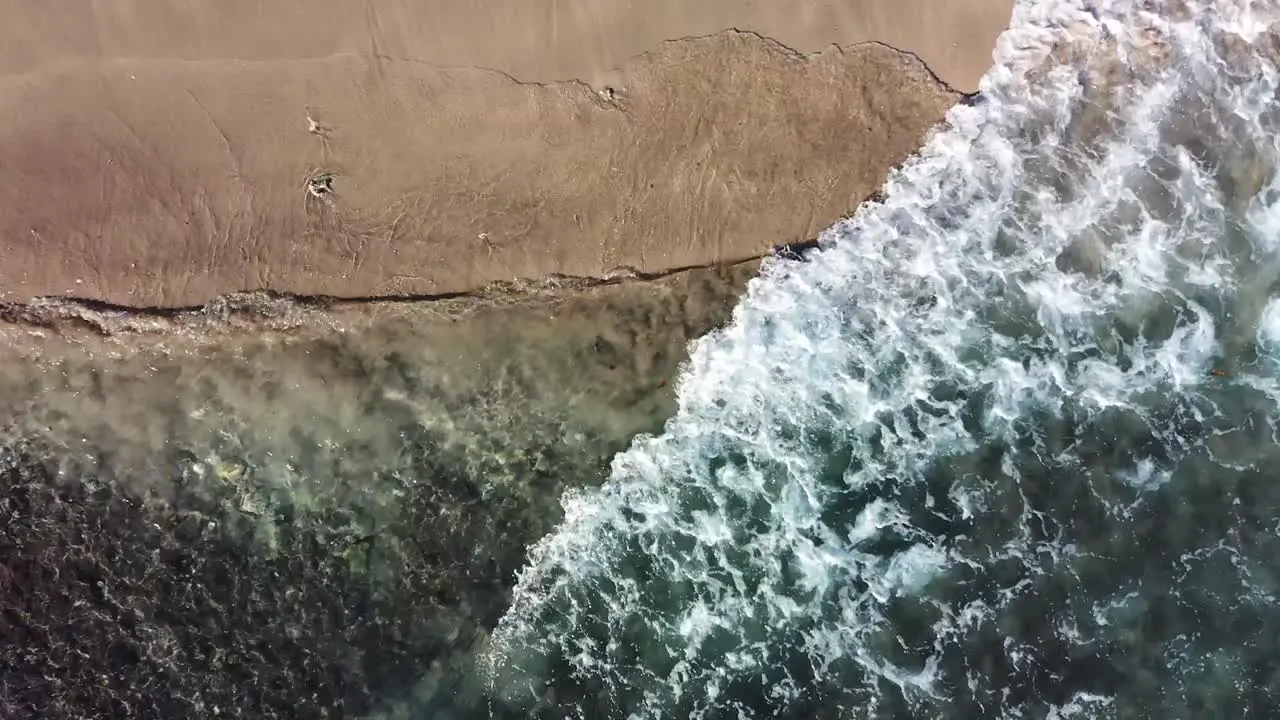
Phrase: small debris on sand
(321, 185)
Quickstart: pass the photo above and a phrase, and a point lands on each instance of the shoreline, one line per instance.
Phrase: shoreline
(255, 312)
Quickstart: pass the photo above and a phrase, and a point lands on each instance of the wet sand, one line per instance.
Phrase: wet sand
(162, 157)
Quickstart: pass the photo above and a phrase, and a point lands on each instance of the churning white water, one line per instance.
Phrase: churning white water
(1003, 447)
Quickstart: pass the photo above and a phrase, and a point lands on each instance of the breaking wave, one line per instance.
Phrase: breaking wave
(1002, 447)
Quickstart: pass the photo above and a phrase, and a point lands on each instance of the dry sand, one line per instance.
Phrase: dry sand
(160, 154)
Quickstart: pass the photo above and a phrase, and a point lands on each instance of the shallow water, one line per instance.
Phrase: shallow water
(320, 522)
(1005, 447)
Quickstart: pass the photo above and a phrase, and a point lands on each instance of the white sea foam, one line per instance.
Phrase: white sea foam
(1269, 328)
(1059, 249)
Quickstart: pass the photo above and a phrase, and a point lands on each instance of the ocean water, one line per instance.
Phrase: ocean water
(1004, 447)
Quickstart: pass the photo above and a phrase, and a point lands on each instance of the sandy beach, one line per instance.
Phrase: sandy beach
(157, 157)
